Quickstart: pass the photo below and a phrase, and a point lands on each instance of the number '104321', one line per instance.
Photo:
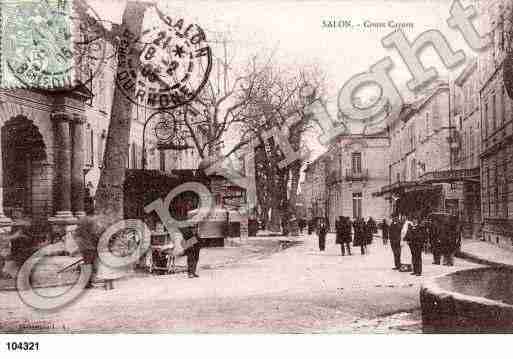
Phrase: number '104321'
(22, 346)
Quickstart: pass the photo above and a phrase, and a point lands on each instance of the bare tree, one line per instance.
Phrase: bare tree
(277, 97)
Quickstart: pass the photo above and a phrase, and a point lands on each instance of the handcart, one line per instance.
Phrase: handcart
(161, 256)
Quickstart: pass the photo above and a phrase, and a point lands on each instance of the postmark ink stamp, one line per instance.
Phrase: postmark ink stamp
(168, 65)
(45, 45)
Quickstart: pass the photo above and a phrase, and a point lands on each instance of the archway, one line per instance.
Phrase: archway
(24, 174)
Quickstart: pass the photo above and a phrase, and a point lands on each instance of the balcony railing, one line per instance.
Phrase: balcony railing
(354, 175)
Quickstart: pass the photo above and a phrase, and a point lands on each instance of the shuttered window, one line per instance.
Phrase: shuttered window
(89, 147)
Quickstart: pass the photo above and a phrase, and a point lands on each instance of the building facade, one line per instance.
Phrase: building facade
(423, 143)
(357, 169)
(52, 148)
(313, 188)
(341, 181)
(467, 146)
(496, 125)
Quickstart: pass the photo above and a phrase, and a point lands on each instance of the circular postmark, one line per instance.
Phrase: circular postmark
(51, 45)
(167, 66)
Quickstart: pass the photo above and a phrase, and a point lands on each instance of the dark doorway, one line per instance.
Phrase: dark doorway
(24, 173)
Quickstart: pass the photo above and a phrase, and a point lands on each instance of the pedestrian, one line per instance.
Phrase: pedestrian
(360, 239)
(370, 228)
(344, 235)
(310, 226)
(450, 242)
(190, 235)
(301, 224)
(406, 223)
(385, 228)
(415, 237)
(435, 233)
(338, 233)
(395, 240)
(322, 232)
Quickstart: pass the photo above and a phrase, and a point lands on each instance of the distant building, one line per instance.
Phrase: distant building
(357, 170)
(342, 180)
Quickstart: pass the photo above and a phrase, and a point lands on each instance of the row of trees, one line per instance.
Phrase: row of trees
(237, 100)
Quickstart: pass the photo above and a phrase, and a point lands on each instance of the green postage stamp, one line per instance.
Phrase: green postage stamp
(36, 44)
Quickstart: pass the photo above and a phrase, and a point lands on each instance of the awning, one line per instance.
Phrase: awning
(448, 176)
(426, 180)
(397, 187)
(423, 188)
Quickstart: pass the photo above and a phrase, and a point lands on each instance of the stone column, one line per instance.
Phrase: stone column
(77, 166)
(62, 166)
(63, 222)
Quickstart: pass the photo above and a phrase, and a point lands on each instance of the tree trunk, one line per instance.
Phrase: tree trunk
(109, 196)
(294, 184)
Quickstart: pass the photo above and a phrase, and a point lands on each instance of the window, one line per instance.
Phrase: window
(413, 167)
(101, 140)
(413, 136)
(496, 189)
(101, 93)
(132, 164)
(494, 113)
(427, 124)
(89, 146)
(486, 119)
(503, 106)
(471, 146)
(505, 189)
(357, 205)
(356, 160)
(488, 185)
(436, 108)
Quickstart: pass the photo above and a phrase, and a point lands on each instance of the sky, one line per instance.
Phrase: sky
(294, 31)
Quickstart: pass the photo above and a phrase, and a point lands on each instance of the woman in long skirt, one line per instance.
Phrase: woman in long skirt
(323, 230)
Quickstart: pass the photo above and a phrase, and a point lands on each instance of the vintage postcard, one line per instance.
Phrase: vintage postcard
(256, 167)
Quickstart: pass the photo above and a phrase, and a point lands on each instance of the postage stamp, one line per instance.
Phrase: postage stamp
(168, 65)
(45, 45)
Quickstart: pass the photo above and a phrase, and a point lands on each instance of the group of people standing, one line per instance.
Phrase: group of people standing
(439, 234)
(441, 237)
(344, 227)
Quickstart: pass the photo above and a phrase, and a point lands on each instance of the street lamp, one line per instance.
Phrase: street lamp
(170, 132)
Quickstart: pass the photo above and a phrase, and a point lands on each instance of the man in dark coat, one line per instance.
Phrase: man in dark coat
(359, 234)
(322, 232)
(344, 234)
(192, 252)
(435, 233)
(385, 228)
(452, 233)
(310, 226)
(395, 241)
(415, 236)
(371, 228)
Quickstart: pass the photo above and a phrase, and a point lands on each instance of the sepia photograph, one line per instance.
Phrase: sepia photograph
(255, 167)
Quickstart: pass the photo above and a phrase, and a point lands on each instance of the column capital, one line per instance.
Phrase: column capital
(60, 116)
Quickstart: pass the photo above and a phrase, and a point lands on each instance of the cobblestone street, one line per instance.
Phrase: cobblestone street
(298, 289)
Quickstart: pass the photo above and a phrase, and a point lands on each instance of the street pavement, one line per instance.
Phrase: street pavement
(297, 290)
